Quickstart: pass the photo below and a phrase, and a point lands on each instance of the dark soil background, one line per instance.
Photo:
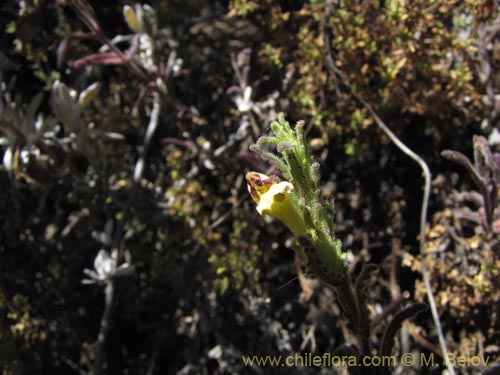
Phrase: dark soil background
(125, 131)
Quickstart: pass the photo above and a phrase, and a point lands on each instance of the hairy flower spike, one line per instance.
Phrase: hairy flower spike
(299, 202)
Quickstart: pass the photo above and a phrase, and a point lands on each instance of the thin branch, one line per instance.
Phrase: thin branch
(413, 330)
(423, 220)
(460, 158)
(86, 13)
(74, 366)
(226, 214)
(395, 325)
(489, 198)
(334, 71)
(153, 125)
(103, 330)
(126, 60)
(118, 235)
(391, 308)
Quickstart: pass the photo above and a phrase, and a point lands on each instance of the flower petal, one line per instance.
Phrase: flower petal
(276, 202)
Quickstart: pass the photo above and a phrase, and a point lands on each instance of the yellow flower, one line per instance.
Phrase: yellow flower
(273, 199)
